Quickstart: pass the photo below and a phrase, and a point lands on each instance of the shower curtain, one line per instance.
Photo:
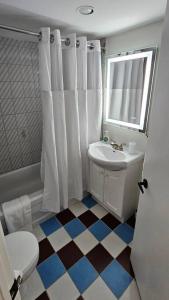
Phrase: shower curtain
(94, 91)
(71, 92)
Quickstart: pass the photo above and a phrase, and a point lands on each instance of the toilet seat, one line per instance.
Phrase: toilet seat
(23, 252)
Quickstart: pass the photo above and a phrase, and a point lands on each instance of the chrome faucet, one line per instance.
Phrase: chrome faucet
(116, 146)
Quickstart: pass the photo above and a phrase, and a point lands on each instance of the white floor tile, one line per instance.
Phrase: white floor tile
(98, 291)
(78, 208)
(37, 231)
(73, 201)
(99, 211)
(32, 287)
(113, 244)
(131, 244)
(86, 241)
(131, 292)
(59, 239)
(63, 289)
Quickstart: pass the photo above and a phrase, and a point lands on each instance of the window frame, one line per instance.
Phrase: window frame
(151, 54)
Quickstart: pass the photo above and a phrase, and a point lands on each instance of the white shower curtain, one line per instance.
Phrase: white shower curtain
(49, 157)
(81, 52)
(72, 108)
(94, 91)
(59, 118)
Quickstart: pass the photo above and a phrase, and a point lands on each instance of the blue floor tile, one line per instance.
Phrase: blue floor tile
(75, 227)
(50, 270)
(83, 274)
(50, 225)
(125, 232)
(89, 201)
(100, 230)
(116, 278)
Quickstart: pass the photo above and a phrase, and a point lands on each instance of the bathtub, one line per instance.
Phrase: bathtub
(24, 181)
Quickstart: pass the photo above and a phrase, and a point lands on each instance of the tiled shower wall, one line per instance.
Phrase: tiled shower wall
(20, 105)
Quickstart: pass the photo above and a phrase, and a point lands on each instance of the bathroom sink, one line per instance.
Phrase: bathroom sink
(104, 155)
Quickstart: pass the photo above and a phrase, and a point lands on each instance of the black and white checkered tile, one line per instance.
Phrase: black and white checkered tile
(84, 254)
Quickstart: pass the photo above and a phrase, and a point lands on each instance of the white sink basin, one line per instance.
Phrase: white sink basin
(104, 155)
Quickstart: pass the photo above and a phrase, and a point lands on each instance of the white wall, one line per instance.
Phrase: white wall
(17, 36)
(142, 37)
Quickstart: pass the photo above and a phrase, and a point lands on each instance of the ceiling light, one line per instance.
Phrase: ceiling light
(85, 10)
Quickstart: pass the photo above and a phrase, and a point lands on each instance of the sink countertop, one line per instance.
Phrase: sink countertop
(104, 154)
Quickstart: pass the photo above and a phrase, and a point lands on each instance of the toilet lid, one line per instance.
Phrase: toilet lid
(23, 250)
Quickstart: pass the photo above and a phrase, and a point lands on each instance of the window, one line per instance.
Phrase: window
(128, 88)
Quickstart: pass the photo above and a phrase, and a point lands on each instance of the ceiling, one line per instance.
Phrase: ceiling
(110, 16)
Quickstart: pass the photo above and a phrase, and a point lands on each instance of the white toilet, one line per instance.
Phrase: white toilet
(23, 252)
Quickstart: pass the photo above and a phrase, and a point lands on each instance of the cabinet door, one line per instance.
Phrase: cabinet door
(114, 190)
(96, 181)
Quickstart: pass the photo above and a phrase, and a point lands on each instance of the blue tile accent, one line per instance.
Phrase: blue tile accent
(116, 277)
(100, 230)
(89, 201)
(75, 227)
(50, 225)
(125, 232)
(83, 274)
(50, 270)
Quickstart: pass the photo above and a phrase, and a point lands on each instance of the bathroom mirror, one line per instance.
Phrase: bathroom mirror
(129, 80)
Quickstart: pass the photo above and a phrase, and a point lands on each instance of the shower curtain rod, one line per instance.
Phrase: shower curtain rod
(19, 30)
(39, 35)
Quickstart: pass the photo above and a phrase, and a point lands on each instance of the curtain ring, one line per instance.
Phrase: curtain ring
(77, 44)
(52, 38)
(91, 46)
(67, 42)
(40, 36)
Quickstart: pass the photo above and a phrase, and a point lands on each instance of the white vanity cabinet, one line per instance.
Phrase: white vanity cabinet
(114, 182)
(116, 190)
(96, 181)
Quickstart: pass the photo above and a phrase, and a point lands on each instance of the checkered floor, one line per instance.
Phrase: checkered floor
(84, 254)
